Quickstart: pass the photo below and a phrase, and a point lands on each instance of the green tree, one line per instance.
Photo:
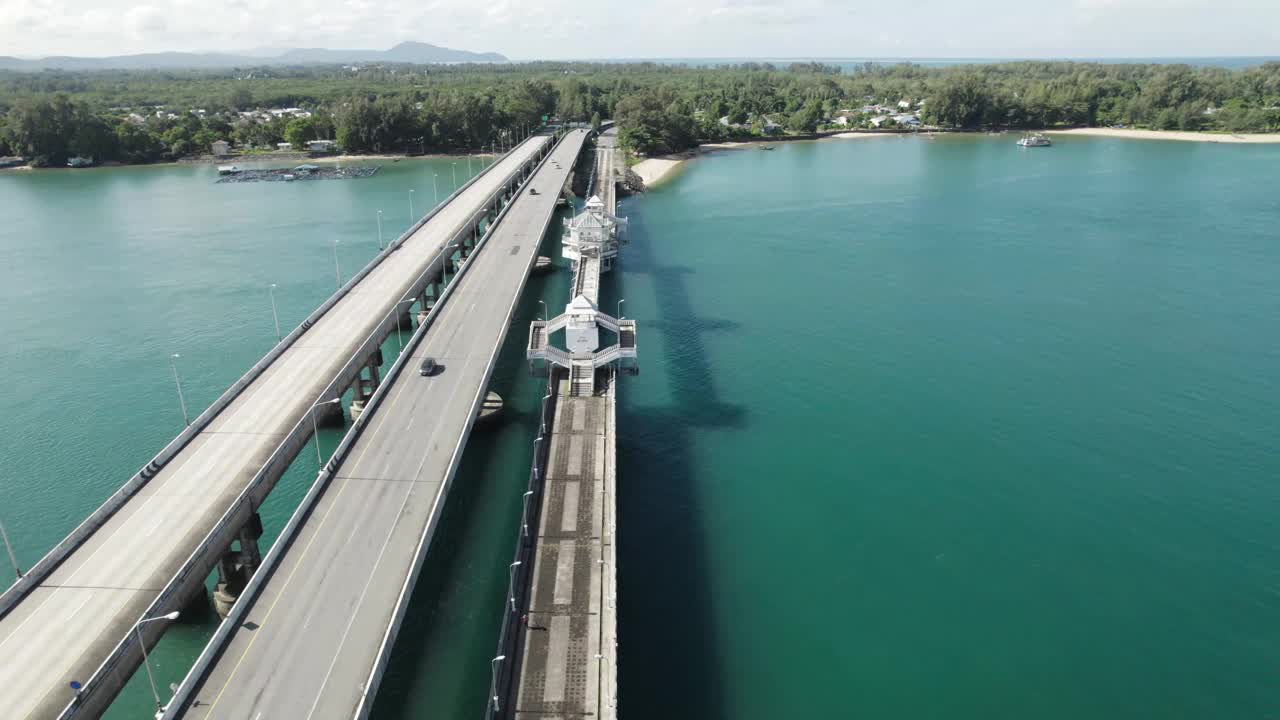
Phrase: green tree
(595, 121)
(806, 118)
(960, 102)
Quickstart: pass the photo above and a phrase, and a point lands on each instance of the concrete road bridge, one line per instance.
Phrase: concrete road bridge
(150, 547)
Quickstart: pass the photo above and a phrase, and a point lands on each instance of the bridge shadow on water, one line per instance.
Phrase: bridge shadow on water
(669, 660)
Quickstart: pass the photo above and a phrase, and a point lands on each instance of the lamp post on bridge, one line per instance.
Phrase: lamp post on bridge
(178, 382)
(337, 271)
(524, 514)
(468, 165)
(137, 627)
(544, 310)
(493, 685)
(620, 307)
(271, 291)
(12, 558)
(379, 230)
(511, 585)
(412, 214)
(315, 429)
(454, 170)
(435, 194)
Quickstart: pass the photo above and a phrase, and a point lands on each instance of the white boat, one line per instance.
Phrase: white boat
(228, 169)
(1034, 140)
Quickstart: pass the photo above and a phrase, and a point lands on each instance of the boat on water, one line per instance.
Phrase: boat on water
(1034, 140)
(80, 162)
(228, 169)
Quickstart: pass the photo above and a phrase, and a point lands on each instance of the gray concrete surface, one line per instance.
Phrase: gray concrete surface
(567, 643)
(310, 639)
(63, 629)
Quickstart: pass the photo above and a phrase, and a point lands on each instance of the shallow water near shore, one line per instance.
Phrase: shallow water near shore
(924, 427)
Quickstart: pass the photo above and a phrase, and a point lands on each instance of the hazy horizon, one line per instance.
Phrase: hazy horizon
(660, 29)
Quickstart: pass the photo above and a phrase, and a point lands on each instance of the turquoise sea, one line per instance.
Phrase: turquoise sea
(924, 427)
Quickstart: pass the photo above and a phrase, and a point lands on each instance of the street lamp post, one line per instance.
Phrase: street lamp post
(468, 164)
(337, 271)
(524, 514)
(315, 428)
(12, 558)
(147, 663)
(412, 214)
(511, 587)
(544, 310)
(435, 194)
(454, 169)
(178, 382)
(379, 230)
(493, 675)
(620, 307)
(271, 290)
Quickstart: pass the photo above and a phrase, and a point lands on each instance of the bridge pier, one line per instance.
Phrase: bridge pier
(427, 302)
(491, 410)
(237, 565)
(364, 387)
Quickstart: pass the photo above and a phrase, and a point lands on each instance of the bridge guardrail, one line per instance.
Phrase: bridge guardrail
(240, 510)
(501, 671)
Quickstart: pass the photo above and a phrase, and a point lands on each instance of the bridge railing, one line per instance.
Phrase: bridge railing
(120, 664)
(502, 667)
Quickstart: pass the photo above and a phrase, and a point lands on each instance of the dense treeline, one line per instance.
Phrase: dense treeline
(53, 115)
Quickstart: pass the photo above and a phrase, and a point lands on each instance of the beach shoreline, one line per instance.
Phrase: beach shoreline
(1179, 135)
(661, 168)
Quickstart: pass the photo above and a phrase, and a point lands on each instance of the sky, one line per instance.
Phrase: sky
(559, 29)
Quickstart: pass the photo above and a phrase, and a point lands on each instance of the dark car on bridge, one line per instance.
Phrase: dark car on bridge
(429, 367)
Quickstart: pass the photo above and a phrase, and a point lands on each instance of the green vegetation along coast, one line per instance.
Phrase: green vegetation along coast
(144, 116)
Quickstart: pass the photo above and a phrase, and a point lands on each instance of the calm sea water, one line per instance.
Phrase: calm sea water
(925, 428)
(949, 429)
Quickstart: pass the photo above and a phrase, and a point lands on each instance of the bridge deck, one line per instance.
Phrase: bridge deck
(64, 628)
(310, 640)
(566, 646)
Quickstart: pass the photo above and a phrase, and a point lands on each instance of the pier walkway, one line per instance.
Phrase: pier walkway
(558, 652)
(152, 545)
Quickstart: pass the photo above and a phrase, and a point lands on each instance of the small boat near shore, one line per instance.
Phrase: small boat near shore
(1034, 140)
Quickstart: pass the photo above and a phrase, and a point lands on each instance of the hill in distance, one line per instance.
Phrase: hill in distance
(407, 52)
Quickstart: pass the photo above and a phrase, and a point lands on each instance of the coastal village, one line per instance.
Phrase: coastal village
(299, 131)
(884, 115)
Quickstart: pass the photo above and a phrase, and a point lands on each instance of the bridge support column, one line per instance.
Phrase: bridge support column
(428, 300)
(365, 386)
(491, 410)
(237, 565)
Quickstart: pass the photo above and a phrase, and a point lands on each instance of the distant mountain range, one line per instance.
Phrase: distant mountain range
(406, 52)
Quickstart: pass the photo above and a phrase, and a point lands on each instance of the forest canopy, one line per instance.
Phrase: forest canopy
(149, 116)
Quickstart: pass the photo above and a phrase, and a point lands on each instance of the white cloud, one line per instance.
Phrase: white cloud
(653, 28)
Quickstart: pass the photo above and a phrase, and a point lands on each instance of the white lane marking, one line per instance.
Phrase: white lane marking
(359, 601)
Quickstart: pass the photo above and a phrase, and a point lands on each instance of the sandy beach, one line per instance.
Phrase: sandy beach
(1183, 135)
(660, 168)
